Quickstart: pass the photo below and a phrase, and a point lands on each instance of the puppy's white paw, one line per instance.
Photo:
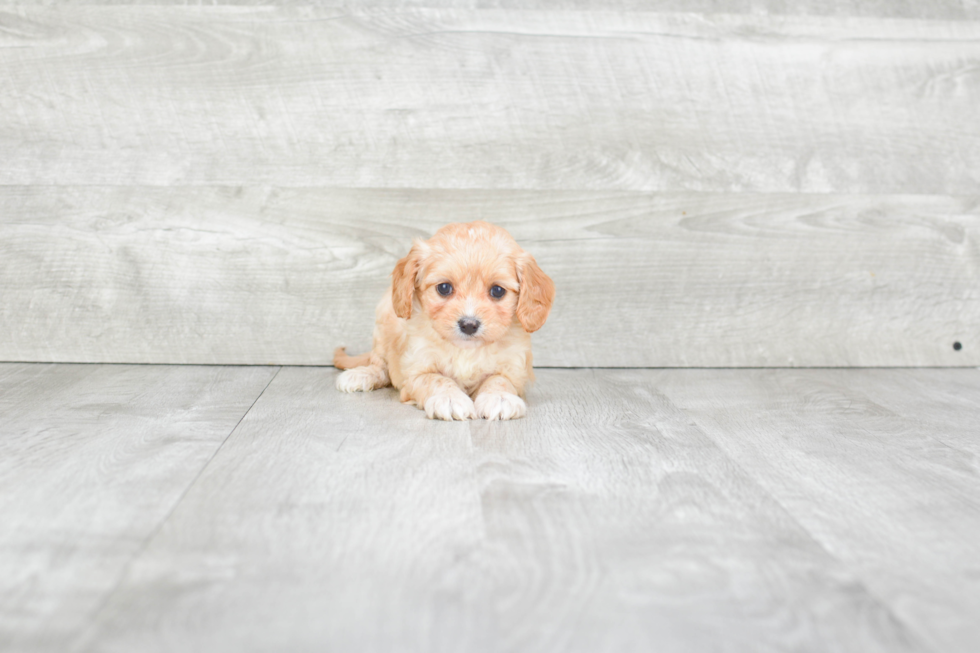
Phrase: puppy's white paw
(357, 379)
(450, 405)
(500, 405)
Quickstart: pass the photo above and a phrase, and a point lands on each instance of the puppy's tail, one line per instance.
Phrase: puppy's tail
(343, 361)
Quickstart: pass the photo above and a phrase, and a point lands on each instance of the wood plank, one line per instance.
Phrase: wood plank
(930, 9)
(602, 521)
(299, 96)
(881, 492)
(281, 275)
(944, 403)
(326, 513)
(92, 459)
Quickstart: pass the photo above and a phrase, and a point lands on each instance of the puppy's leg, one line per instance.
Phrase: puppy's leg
(439, 397)
(343, 361)
(497, 399)
(364, 378)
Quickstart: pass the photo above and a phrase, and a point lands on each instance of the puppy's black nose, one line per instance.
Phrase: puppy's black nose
(469, 325)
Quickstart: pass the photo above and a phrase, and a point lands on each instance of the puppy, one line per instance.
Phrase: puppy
(453, 333)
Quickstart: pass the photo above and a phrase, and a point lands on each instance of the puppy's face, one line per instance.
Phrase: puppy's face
(472, 281)
(470, 295)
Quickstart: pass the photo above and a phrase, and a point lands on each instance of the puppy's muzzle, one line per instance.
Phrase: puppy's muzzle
(468, 325)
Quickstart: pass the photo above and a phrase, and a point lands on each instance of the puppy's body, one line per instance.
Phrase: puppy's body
(453, 333)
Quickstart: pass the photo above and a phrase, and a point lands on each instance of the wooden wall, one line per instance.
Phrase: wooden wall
(709, 184)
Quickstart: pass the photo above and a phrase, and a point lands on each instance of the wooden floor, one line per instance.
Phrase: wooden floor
(186, 508)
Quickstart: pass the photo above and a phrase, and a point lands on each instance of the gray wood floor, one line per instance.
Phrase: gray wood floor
(153, 508)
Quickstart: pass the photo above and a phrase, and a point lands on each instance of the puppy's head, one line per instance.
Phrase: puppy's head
(472, 281)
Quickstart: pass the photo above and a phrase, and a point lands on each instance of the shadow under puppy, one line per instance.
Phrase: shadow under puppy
(453, 333)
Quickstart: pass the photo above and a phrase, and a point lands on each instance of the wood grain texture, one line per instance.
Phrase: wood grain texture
(329, 519)
(604, 520)
(282, 275)
(944, 403)
(459, 98)
(92, 460)
(891, 494)
(931, 9)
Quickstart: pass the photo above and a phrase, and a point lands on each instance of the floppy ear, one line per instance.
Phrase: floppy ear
(536, 294)
(403, 279)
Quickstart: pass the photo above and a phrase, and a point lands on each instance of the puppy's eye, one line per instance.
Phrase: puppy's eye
(497, 292)
(445, 289)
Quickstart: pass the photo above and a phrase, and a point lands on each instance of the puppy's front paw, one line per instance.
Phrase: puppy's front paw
(449, 405)
(500, 405)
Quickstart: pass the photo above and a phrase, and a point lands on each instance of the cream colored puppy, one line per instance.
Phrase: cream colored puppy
(454, 332)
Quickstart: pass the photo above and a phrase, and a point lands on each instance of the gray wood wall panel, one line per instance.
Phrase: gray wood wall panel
(232, 184)
(92, 461)
(604, 521)
(931, 9)
(299, 96)
(269, 275)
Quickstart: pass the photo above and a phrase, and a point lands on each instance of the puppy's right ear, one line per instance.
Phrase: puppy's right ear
(403, 280)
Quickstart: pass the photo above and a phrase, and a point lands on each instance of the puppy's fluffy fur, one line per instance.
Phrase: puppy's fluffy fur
(421, 342)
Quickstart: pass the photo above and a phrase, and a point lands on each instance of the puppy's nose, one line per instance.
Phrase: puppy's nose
(469, 325)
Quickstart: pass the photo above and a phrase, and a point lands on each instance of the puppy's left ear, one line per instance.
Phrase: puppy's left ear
(403, 280)
(536, 295)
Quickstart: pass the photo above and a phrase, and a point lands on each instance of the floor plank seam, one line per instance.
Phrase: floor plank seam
(917, 637)
(93, 620)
